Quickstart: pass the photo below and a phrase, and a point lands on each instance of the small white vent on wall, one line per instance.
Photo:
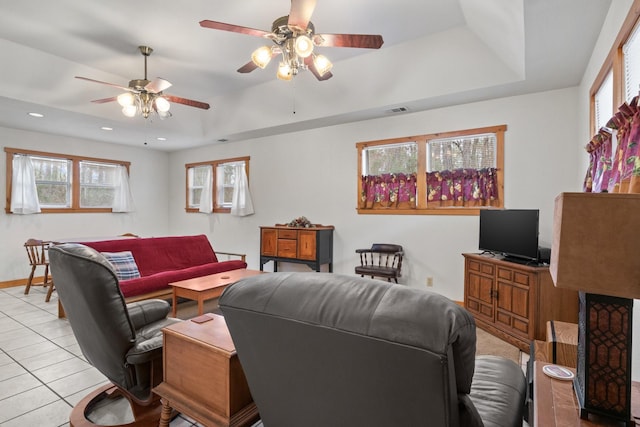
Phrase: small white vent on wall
(397, 110)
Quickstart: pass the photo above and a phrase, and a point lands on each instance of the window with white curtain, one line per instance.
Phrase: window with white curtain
(225, 177)
(69, 183)
(196, 177)
(97, 184)
(53, 181)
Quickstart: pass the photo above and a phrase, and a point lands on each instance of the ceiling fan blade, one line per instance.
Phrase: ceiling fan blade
(108, 84)
(312, 67)
(189, 102)
(248, 67)
(233, 28)
(300, 14)
(104, 100)
(366, 41)
(157, 85)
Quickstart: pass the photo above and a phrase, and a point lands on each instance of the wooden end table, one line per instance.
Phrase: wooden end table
(206, 287)
(203, 378)
(555, 402)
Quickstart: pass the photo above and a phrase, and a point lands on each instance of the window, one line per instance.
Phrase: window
(470, 152)
(456, 172)
(621, 70)
(196, 181)
(97, 184)
(631, 57)
(216, 177)
(225, 182)
(603, 102)
(67, 183)
(53, 181)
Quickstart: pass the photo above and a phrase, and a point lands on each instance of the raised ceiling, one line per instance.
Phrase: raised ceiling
(435, 53)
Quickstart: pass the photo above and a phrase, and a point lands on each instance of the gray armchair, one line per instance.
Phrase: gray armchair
(321, 349)
(123, 341)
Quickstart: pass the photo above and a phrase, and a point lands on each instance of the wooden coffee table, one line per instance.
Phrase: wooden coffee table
(207, 287)
(203, 378)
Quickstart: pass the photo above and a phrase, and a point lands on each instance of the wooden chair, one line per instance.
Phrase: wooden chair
(381, 260)
(37, 252)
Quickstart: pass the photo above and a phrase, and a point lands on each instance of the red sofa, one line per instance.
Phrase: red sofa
(163, 260)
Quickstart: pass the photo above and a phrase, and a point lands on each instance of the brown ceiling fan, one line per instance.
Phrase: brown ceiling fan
(294, 37)
(143, 97)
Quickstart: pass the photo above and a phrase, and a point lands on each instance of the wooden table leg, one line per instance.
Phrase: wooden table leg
(165, 416)
(174, 303)
(200, 306)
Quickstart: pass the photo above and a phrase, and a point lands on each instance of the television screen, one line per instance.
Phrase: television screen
(510, 232)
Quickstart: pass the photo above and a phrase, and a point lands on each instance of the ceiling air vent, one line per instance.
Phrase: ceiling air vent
(397, 110)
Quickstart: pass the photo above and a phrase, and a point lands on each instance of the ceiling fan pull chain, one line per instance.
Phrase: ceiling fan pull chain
(293, 96)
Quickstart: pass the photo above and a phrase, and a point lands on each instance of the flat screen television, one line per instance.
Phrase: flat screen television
(512, 233)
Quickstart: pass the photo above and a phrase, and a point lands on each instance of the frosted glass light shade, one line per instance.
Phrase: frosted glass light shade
(322, 64)
(125, 99)
(303, 46)
(261, 56)
(284, 72)
(129, 110)
(162, 105)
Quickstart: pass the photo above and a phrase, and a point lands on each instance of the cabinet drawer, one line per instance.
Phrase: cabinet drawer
(480, 267)
(287, 234)
(505, 273)
(287, 248)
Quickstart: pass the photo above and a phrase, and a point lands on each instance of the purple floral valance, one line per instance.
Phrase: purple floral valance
(616, 171)
(463, 187)
(393, 191)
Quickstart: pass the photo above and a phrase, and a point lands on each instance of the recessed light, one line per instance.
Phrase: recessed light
(38, 115)
(223, 140)
(161, 138)
(106, 128)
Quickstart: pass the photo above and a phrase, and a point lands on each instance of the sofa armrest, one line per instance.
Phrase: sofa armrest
(243, 257)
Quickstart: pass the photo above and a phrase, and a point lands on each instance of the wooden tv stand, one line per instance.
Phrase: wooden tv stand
(514, 301)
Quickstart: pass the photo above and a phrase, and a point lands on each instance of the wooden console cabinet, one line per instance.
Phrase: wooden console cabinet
(514, 301)
(311, 246)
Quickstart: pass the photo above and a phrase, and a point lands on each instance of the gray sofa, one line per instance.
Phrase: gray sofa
(327, 350)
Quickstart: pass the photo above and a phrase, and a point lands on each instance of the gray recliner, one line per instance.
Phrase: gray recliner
(123, 341)
(322, 349)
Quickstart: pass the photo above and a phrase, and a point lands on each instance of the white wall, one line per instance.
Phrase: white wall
(149, 182)
(314, 173)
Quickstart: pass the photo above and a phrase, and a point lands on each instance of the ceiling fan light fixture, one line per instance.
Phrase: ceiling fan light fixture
(284, 72)
(261, 56)
(130, 110)
(125, 99)
(303, 46)
(322, 64)
(162, 105)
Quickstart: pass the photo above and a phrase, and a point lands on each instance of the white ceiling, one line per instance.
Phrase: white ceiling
(435, 53)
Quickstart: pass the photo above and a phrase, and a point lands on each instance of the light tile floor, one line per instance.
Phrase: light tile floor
(42, 371)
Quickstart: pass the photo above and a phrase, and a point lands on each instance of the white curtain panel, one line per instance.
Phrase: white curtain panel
(122, 198)
(206, 197)
(241, 204)
(24, 194)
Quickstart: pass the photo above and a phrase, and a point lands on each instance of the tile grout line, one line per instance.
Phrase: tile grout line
(47, 339)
